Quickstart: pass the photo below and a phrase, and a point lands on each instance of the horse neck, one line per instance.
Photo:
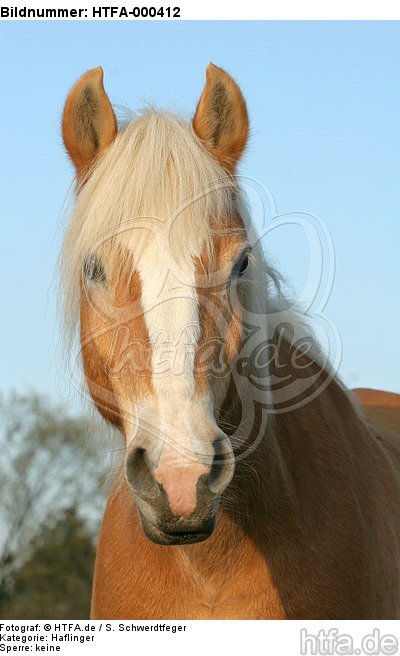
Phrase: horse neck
(293, 430)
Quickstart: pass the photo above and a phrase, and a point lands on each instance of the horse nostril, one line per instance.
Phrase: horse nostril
(139, 474)
(222, 466)
(215, 472)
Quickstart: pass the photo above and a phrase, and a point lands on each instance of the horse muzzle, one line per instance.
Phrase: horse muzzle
(177, 502)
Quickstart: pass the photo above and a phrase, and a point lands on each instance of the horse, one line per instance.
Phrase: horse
(253, 484)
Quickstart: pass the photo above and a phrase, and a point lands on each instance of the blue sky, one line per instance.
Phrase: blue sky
(324, 102)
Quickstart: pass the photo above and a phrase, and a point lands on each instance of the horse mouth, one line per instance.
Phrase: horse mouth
(189, 537)
(173, 537)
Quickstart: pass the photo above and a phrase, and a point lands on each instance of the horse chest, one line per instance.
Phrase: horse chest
(182, 595)
(233, 605)
(236, 588)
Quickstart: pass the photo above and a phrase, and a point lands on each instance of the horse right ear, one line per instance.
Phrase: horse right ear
(89, 125)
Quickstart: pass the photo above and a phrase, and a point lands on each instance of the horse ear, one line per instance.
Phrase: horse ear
(221, 119)
(88, 124)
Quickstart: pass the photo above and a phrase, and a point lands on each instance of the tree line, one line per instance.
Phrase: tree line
(53, 486)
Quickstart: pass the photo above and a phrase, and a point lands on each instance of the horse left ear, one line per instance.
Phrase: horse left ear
(221, 119)
(88, 124)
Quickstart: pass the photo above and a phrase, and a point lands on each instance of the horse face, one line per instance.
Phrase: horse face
(161, 316)
(165, 354)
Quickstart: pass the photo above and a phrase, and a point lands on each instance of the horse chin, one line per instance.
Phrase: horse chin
(176, 537)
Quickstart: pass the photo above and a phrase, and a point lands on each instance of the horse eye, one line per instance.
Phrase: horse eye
(93, 270)
(244, 265)
(241, 265)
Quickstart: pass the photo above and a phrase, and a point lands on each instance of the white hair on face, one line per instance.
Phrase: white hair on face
(157, 169)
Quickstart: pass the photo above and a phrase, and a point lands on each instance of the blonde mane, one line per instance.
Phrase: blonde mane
(156, 170)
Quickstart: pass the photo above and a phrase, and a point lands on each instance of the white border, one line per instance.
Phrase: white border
(228, 10)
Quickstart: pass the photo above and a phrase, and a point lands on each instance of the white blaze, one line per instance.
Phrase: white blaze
(181, 421)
